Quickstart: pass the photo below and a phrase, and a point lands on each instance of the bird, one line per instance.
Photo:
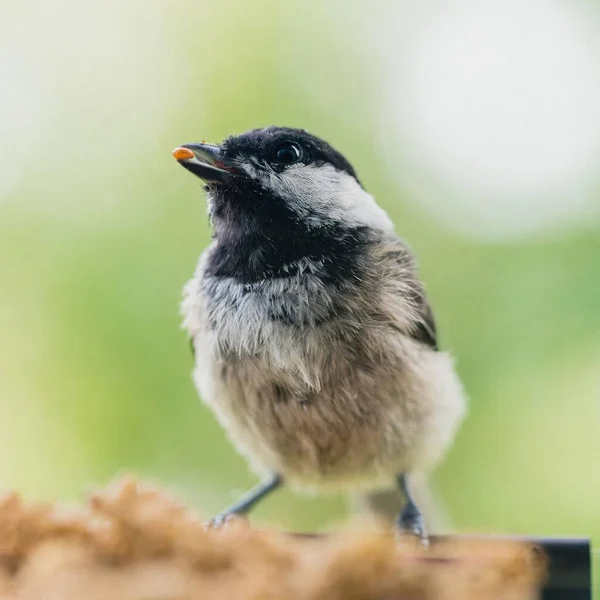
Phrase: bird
(314, 343)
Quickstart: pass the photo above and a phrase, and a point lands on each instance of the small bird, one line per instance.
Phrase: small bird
(314, 342)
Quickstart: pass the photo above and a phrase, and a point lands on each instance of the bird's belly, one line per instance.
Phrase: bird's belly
(358, 428)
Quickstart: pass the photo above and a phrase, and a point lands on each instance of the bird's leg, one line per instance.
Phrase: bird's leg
(247, 501)
(410, 519)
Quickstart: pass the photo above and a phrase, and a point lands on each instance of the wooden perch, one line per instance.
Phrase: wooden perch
(133, 542)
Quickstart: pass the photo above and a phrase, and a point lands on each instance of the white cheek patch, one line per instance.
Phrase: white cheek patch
(318, 193)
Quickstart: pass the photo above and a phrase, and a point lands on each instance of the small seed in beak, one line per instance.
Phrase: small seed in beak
(183, 154)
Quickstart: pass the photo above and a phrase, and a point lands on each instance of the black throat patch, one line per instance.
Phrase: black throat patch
(257, 237)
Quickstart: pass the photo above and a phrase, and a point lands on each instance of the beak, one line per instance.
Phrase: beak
(205, 161)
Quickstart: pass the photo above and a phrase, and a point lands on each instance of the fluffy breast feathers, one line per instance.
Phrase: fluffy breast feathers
(294, 322)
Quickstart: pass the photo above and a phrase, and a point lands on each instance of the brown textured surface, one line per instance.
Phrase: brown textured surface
(133, 542)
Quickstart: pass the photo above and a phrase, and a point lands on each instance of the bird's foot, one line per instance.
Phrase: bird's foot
(411, 522)
(226, 519)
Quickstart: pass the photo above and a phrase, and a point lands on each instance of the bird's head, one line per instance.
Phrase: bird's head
(281, 177)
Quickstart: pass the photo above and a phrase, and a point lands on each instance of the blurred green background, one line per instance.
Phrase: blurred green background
(474, 124)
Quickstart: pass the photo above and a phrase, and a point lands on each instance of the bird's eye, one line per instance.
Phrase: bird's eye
(287, 153)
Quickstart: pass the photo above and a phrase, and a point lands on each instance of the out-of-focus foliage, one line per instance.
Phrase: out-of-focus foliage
(99, 230)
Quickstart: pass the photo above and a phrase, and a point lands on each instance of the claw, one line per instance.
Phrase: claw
(410, 521)
(223, 520)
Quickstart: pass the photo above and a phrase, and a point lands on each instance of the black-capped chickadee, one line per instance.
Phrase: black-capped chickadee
(314, 342)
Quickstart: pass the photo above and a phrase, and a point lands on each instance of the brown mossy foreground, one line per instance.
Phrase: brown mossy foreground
(133, 542)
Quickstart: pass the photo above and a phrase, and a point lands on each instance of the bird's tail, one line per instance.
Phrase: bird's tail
(383, 506)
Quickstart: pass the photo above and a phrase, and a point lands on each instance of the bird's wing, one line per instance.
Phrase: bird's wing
(425, 329)
(402, 267)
